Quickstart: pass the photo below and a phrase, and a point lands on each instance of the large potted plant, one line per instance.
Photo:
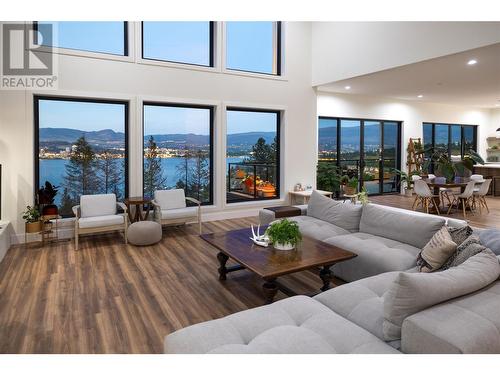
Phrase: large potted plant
(32, 217)
(284, 234)
(445, 167)
(328, 177)
(406, 180)
(46, 195)
(350, 184)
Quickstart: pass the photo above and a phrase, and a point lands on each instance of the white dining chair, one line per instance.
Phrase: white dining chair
(479, 197)
(478, 178)
(444, 193)
(424, 196)
(464, 198)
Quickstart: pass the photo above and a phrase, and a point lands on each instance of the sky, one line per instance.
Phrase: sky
(249, 47)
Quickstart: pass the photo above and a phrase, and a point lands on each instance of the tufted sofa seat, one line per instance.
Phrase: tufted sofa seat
(295, 325)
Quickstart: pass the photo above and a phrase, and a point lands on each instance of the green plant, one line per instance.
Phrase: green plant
(31, 214)
(353, 182)
(344, 179)
(328, 177)
(363, 196)
(283, 232)
(47, 193)
(494, 147)
(447, 168)
(405, 178)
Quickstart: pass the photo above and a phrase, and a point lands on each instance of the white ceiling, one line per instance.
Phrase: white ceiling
(447, 80)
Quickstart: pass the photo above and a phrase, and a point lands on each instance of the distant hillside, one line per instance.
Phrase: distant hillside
(108, 136)
(351, 134)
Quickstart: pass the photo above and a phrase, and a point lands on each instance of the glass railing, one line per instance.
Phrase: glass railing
(251, 181)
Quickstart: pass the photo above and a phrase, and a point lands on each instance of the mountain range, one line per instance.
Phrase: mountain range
(350, 135)
(110, 137)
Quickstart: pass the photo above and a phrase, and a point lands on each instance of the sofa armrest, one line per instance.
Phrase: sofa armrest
(303, 209)
(77, 211)
(122, 205)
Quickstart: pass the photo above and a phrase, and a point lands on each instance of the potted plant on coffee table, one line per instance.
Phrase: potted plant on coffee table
(284, 234)
(32, 217)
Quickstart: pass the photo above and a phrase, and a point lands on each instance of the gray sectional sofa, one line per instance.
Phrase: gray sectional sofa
(387, 306)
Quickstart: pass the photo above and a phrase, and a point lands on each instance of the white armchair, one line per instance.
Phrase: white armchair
(170, 208)
(98, 213)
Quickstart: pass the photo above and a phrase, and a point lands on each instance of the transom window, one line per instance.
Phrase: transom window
(254, 47)
(101, 37)
(181, 42)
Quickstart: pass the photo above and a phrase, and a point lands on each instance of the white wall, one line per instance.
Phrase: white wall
(412, 115)
(342, 50)
(494, 122)
(130, 80)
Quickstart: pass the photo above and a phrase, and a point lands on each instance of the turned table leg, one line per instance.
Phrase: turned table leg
(326, 277)
(222, 269)
(270, 289)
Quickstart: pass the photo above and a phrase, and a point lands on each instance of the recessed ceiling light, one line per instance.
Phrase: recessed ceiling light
(420, 96)
(347, 87)
(472, 62)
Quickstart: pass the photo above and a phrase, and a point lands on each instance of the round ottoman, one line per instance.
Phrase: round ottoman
(143, 233)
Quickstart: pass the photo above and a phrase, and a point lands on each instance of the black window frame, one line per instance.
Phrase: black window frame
(125, 42)
(212, 28)
(462, 143)
(212, 109)
(36, 117)
(361, 143)
(278, 152)
(279, 46)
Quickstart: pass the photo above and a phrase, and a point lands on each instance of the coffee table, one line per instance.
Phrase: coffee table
(269, 263)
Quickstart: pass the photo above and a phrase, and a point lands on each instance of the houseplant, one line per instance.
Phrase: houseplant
(284, 234)
(46, 195)
(445, 167)
(363, 196)
(328, 177)
(350, 184)
(406, 180)
(32, 217)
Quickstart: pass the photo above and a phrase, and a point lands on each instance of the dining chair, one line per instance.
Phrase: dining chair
(424, 196)
(444, 193)
(464, 198)
(415, 178)
(477, 178)
(479, 197)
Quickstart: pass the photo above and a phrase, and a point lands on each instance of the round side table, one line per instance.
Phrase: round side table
(139, 203)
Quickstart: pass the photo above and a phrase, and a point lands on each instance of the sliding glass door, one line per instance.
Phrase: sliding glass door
(366, 149)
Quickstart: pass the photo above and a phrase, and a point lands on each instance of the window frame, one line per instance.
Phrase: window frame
(212, 52)
(362, 121)
(462, 137)
(278, 64)
(211, 108)
(84, 52)
(36, 118)
(278, 153)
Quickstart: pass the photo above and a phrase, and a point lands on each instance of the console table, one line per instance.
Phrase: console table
(302, 196)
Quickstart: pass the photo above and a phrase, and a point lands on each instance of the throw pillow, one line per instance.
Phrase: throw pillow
(437, 251)
(414, 292)
(491, 239)
(470, 247)
(342, 214)
(459, 235)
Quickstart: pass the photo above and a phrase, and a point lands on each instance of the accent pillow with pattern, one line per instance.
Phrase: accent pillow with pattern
(470, 247)
(437, 251)
(459, 235)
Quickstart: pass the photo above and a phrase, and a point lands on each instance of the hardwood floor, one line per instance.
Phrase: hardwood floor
(113, 298)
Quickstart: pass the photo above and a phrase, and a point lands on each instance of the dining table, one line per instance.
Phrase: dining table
(436, 186)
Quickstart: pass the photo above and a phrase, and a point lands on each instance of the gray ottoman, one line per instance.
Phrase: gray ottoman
(143, 233)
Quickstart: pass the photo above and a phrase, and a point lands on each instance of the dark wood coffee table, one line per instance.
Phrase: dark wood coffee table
(270, 263)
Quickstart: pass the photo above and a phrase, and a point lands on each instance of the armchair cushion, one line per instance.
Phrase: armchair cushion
(101, 221)
(179, 213)
(97, 205)
(170, 199)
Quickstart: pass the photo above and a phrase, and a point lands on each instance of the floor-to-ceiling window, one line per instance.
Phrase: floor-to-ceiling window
(252, 154)
(178, 149)
(362, 148)
(81, 148)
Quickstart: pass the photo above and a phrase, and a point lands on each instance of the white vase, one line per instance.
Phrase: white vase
(284, 246)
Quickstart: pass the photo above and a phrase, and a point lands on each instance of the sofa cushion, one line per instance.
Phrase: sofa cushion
(375, 255)
(100, 221)
(293, 325)
(399, 225)
(437, 251)
(97, 205)
(361, 301)
(343, 214)
(470, 247)
(316, 228)
(179, 213)
(413, 292)
(468, 324)
(459, 235)
(491, 239)
(170, 199)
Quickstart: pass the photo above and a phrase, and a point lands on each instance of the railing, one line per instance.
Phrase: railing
(251, 181)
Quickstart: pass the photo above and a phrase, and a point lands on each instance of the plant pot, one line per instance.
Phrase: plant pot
(49, 210)
(34, 227)
(285, 246)
(348, 190)
(409, 193)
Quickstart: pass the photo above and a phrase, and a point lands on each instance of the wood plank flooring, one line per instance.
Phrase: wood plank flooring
(113, 298)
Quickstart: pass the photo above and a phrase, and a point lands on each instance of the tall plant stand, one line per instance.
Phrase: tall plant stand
(415, 157)
(50, 228)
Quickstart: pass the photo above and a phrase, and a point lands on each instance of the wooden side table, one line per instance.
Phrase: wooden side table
(305, 195)
(139, 203)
